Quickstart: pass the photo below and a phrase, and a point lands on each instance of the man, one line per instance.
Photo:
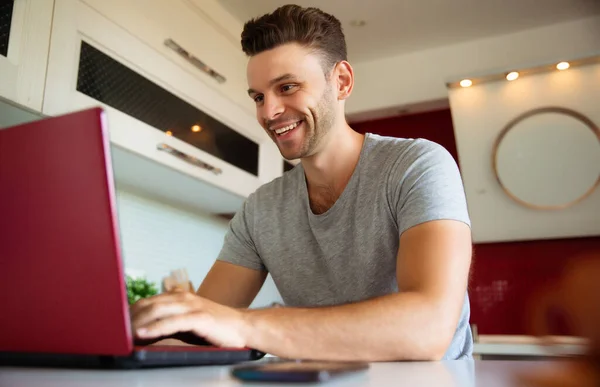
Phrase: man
(367, 240)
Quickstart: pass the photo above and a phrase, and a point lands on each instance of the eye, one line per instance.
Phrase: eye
(288, 87)
(258, 98)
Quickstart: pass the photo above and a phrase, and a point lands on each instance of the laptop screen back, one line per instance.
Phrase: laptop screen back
(61, 278)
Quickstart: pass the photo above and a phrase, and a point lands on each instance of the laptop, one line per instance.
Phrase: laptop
(63, 297)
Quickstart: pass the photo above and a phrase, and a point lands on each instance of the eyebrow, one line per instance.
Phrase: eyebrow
(284, 77)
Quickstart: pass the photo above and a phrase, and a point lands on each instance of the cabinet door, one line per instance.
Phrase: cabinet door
(190, 27)
(24, 38)
(95, 62)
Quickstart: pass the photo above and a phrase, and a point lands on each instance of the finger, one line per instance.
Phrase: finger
(161, 307)
(144, 302)
(159, 311)
(165, 298)
(195, 322)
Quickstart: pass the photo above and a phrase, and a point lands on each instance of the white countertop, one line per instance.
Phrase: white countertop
(414, 374)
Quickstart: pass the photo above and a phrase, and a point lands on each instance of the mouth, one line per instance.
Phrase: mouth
(287, 130)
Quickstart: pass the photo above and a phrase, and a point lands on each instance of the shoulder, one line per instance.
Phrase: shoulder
(404, 146)
(400, 155)
(422, 182)
(414, 166)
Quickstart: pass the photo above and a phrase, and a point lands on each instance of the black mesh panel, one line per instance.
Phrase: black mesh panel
(114, 84)
(6, 10)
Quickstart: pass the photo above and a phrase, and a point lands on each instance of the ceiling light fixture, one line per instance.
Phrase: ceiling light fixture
(512, 76)
(169, 133)
(466, 83)
(196, 128)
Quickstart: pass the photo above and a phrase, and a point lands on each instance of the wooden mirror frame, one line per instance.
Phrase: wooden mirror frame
(515, 121)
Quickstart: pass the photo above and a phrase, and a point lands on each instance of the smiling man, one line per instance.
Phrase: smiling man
(368, 239)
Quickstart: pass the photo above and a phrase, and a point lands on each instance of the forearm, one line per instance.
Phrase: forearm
(231, 285)
(401, 326)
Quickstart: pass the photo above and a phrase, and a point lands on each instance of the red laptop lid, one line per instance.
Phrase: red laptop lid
(61, 278)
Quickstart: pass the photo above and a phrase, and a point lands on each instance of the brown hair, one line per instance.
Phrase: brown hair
(309, 27)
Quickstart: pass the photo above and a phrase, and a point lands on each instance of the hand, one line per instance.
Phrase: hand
(180, 311)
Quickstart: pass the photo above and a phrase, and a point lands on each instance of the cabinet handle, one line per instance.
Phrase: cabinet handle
(190, 159)
(193, 60)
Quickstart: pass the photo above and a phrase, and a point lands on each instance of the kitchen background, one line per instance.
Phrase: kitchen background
(169, 211)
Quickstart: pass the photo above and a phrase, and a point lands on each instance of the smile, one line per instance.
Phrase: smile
(286, 129)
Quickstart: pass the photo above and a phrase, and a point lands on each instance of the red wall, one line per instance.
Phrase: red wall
(435, 126)
(505, 276)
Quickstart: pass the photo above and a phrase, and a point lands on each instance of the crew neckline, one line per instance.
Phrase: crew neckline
(340, 202)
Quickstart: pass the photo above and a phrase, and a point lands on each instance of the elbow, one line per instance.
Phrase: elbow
(439, 343)
(432, 352)
(420, 353)
(435, 350)
(436, 336)
(430, 345)
(437, 353)
(429, 350)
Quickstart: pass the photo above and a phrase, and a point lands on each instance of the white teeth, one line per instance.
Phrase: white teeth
(286, 128)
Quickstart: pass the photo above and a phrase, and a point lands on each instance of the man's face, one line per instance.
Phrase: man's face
(295, 103)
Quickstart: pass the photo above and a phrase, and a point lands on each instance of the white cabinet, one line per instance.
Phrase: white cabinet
(191, 26)
(23, 64)
(80, 31)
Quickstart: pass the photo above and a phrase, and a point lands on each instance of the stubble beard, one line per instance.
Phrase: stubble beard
(318, 129)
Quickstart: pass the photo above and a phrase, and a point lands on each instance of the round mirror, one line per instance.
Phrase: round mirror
(548, 158)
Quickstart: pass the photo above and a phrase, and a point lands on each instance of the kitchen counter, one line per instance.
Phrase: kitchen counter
(414, 374)
(517, 346)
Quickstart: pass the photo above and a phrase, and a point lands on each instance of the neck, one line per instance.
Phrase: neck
(334, 163)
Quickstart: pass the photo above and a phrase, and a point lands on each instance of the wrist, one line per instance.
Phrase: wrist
(248, 328)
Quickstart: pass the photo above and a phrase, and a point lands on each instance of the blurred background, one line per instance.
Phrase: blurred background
(511, 88)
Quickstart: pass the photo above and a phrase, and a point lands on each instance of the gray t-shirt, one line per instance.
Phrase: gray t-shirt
(348, 254)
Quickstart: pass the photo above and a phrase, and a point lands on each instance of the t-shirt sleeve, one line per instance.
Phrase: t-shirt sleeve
(426, 185)
(238, 247)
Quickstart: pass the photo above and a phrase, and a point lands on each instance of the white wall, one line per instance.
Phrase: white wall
(480, 113)
(422, 76)
(419, 78)
(158, 237)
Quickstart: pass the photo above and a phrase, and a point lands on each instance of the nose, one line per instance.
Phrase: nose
(271, 108)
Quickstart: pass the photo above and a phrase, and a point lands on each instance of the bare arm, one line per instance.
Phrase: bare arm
(417, 323)
(232, 285)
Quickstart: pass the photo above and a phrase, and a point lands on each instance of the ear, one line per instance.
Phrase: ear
(345, 79)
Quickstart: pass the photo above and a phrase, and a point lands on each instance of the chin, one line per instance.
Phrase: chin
(290, 156)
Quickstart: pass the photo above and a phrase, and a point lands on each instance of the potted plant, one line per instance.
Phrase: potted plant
(138, 288)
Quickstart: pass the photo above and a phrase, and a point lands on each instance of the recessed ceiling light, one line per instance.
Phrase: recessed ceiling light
(196, 128)
(512, 75)
(466, 83)
(563, 65)
(169, 133)
(358, 23)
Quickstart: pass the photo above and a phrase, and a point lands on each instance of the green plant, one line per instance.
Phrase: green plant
(138, 288)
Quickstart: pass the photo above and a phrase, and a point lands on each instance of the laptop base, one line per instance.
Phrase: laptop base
(138, 359)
